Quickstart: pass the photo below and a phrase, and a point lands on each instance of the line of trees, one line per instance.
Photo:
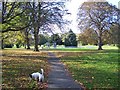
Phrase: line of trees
(67, 39)
(22, 23)
(29, 17)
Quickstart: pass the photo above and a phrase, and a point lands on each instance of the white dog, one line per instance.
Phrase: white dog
(38, 76)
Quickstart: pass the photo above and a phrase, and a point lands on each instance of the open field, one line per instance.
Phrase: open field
(80, 48)
(92, 69)
(63, 48)
(17, 64)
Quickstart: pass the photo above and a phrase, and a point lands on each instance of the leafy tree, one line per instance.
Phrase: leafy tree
(42, 39)
(98, 16)
(11, 38)
(88, 36)
(70, 39)
(11, 16)
(114, 31)
(55, 38)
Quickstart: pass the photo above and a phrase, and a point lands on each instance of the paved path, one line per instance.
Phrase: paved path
(58, 77)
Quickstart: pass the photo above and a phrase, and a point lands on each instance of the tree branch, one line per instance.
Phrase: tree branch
(14, 29)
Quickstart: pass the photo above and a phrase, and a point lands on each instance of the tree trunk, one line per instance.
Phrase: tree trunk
(27, 39)
(1, 43)
(99, 43)
(28, 44)
(36, 40)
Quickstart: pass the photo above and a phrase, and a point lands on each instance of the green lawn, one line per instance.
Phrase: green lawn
(17, 64)
(81, 48)
(93, 69)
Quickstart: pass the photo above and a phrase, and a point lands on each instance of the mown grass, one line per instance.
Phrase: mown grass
(17, 64)
(93, 69)
(81, 48)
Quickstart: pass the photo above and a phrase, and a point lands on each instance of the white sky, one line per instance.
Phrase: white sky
(73, 6)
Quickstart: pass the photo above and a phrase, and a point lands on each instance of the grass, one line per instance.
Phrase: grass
(93, 69)
(89, 67)
(80, 48)
(17, 64)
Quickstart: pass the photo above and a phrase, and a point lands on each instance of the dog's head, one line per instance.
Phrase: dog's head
(30, 75)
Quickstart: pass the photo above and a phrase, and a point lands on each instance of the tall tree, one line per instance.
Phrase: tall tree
(42, 13)
(70, 39)
(97, 15)
(55, 38)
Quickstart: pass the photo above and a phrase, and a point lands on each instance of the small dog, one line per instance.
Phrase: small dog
(38, 76)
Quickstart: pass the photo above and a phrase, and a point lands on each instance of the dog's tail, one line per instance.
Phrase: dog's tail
(42, 71)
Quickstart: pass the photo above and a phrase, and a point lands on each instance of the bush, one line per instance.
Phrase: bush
(8, 45)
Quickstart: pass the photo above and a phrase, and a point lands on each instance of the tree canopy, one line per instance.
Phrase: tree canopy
(32, 16)
(99, 16)
(70, 39)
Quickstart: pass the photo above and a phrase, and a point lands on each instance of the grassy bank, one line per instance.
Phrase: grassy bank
(17, 64)
(93, 69)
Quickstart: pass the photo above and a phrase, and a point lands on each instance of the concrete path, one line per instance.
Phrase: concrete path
(58, 77)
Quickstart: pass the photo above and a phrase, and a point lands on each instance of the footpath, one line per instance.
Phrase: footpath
(58, 77)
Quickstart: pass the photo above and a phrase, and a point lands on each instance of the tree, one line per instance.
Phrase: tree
(55, 38)
(11, 38)
(27, 37)
(98, 16)
(116, 27)
(42, 13)
(88, 36)
(11, 18)
(42, 39)
(22, 15)
(115, 34)
(70, 39)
